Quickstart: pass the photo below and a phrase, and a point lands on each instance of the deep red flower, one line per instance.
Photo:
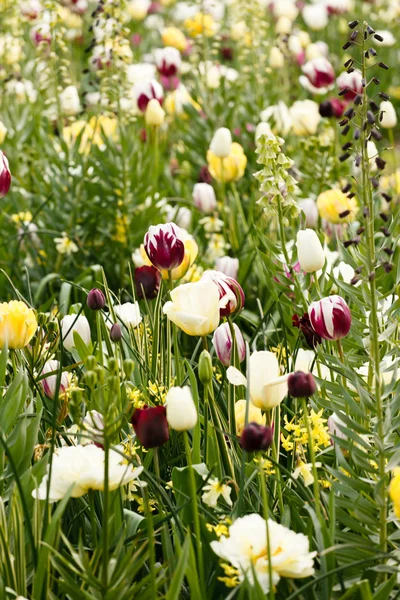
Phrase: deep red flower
(256, 437)
(151, 426)
(303, 323)
(5, 175)
(147, 282)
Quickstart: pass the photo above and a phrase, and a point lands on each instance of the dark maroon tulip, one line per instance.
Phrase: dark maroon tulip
(256, 437)
(5, 175)
(151, 426)
(115, 333)
(304, 324)
(205, 175)
(338, 107)
(96, 299)
(319, 72)
(164, 246)
(230, 292)
(147, 282)
(301, 385)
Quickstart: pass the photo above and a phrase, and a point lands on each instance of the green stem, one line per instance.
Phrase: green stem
(275, 457)
(178, 378)
(106, 494)
(312, 458)
(99, 337)
(263, 487)
(152, 542)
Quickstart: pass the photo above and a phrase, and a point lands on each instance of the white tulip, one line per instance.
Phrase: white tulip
(389, 117)
(221, 142)
(204, 197)
(69, 101)
(388, 38)
(283, 25)
(305, 117)
(228, 265)
(71, 324)
(309, 207)
(195, 307)
(181, 409)
(276, 59)
(285, 8)
(128, 313)
(315, 16)
(154, 114)
(309, 251)
(267, 387)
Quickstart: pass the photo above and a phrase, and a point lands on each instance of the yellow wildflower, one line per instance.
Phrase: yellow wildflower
(22, 217)
(394, 491)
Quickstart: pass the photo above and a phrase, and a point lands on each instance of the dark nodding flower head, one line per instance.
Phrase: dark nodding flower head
(256, 437)
(151, 426)
(96, 299)
(301, 385)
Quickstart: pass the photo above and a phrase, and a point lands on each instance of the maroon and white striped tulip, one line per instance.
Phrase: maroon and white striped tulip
(319, 74)
(144, 91)
(230, 292)
(352, 82)
(49, 383)
(164, 245)
(168, 61)
(330, 317)
(223, 343)
(5, 175)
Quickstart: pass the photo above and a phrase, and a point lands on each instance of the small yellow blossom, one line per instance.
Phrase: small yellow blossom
(172, 36)
(201, 24)
(394, 491)
(231, 578)
(333, 203)
(65, 246)
(22, 217)
(305, 470)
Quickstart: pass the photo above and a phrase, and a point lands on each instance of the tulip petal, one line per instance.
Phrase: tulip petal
(235, 377)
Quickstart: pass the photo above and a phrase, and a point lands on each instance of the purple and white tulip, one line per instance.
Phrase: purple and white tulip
(49, 383)
(223, 343)
(5, 175)
(164, 245)
(330, 317)
(144, 91)
(230, 292)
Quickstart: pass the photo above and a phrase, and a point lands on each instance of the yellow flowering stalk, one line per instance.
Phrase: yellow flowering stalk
(201, 24)
(333, 203)
(230, 168)
(18, 324)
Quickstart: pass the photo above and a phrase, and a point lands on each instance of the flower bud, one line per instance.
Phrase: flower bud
(115, 333)
(223, 343)
(151, 426)
(228, 266)
(301, 385)
(49, 383)
(221, 142)
(256, 437)
(330, 317)
(388, 119)
(164, 245)
(93, 423)
(276, 58)
(181, 410)
(168, 61)
(204, 197)
(147, 282)
(72, 323)
(309, 207)
(144, 91)
(309, 251)
(154, 114)
(96, 299)
(5, 175)
(127, 366)
(231, 294)
(205, 367)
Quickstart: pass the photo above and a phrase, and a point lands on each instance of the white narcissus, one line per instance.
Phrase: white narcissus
(309, 251)
(194, 307)
(267, 387)
(71, 324)
(388, 118)
(246, 550)
(181, 409)
(83, 468)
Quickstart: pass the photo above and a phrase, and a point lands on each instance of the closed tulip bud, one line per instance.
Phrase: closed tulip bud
(315, 16)
(256, 437)
(330, 317)
(155, 114)
(96, 299)
(181, 410)
(228, 266)
(93, 423)
(164, 245)
(309, 251)
(205, 367)
(309, 207)
(276, 59)
(151, 426)
(221, 142)
(147, 282)
(389, 118)
(231, 293)
(168, 61)
(71, 324)
(5, 175)
(144, 91)
(301, 385)
(223, 343)
(204, 197)
(69, 101)
(18, 324)
(115, 333)
(49, 382)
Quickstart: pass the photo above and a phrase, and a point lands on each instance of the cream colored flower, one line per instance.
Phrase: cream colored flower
(213, 490)
(305, 470)
(194, 307)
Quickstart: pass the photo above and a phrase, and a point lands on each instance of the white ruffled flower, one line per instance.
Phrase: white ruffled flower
(213, 490)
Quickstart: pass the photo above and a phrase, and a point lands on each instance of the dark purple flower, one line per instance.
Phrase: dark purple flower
(5, 175)
(96, 299)
(151, 426)
(147, 282)
(330, 317)
(164, 246)
(301, 385)
(256, 437)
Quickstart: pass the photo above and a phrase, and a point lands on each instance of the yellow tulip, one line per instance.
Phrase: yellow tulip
(332, 203)
(18, 324)
(172, 36)
(394, 491)
(194, 307)
(230, 168)
(255, 415)
(201, 24)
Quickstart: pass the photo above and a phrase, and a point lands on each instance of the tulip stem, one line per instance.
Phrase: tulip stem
(99, 338)
(195, 507)
(151, 536)
(178, 378)
(264, 497)
(393, 148)
(275, 457)
(232, 388)
(312, 458)
(106, 494)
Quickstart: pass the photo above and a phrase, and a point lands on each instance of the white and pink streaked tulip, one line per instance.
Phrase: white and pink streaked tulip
(230, 292)
(164, 245)
(330, 317)
(223, 343)
(54, 382)
(319, 76)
